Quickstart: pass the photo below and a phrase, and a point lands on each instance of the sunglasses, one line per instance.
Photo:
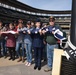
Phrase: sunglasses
(52, 20)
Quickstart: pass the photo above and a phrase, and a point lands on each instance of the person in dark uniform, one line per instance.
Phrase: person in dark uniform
(37, 44)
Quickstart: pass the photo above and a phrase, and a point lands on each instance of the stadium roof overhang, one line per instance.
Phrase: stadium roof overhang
(17, 4)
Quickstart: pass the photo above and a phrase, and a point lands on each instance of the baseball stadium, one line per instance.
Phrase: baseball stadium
(36, 41)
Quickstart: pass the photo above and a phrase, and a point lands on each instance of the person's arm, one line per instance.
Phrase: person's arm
(40, 31)
(44, 39)
(3, 34)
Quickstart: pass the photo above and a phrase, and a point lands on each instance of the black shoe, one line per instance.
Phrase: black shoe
(10, 58)
(13, 59)
(35, 67)
(39, 68)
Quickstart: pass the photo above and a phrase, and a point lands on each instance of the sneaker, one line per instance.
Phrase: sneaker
(29, 64)
(47, 69)
(26, 63)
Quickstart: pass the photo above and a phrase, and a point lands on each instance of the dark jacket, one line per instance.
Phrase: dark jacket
(37, 38)
(49, 37)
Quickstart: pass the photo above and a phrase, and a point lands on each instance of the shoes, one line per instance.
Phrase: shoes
(39, 68)
(20, 59)
(47, 69)
(13, 59)
(35, 67)
(10, 58)
(23, 59)
(29, 64)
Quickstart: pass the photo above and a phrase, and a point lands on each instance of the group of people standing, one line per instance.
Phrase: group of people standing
(27, 38)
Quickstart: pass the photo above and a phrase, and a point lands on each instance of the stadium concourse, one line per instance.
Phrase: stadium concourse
(12, 11)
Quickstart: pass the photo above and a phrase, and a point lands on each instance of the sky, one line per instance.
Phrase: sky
(49, 4)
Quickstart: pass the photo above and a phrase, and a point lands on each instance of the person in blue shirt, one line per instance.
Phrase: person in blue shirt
(37, 44)
(28, 43)
(20, 42)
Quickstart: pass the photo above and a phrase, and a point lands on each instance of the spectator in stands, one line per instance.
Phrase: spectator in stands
(28, 43)
(2, 41)
(51, 43)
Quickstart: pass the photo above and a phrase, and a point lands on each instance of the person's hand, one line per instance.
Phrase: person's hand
(29, 32)
(43, 31)
(24, 32)
(40, 31)
(17, 32)
(52, 32)
(44, 42)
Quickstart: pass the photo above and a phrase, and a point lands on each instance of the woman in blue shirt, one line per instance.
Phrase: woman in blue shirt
(28, 43)
(20, 42)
